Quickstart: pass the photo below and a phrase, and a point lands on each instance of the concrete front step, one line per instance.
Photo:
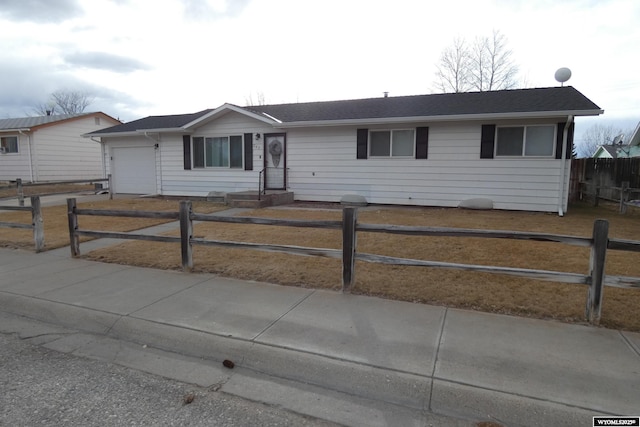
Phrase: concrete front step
(251, 204)
(249, 199)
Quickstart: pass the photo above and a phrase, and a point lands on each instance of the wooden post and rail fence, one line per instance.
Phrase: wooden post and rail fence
(20, 186)
(599, 243)
(37, 224)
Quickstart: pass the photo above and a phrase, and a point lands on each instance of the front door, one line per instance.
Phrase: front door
(275, 161)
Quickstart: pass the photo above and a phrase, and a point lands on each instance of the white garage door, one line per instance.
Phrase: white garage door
(134, 170)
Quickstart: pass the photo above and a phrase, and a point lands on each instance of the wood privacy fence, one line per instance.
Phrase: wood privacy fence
(604, 178)
(626, 196)
(20, 186)
(599, 243)
(37, 224)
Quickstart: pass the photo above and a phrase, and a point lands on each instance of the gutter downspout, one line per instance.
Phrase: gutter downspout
(563, 166)
(29, 152)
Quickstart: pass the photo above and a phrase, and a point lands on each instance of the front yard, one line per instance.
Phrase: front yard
(478, 291)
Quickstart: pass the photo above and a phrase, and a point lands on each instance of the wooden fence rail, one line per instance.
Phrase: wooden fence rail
(595, 279)
(37, 223)
(19, 185)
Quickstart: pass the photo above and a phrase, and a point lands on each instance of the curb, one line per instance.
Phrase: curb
(300, 380)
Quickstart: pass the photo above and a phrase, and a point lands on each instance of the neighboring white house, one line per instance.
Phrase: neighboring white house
(512, 147)
(620, 151)
(51, 148)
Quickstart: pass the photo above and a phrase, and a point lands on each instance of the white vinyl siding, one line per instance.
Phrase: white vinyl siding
(57, 152)
(16, 165)
(323, 167)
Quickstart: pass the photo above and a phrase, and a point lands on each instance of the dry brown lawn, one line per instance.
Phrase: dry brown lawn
(56, 228)
(478, 291)
(43, 189)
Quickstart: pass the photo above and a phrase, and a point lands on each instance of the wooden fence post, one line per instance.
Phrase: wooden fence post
(73, 226)
(349, 221)
(186, 232)
(37, 223)
(110, 184)
(624, 196)
(20, 192)
(596, 270)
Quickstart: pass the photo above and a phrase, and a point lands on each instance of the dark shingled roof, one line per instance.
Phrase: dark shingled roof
(554, 99)
(447, 104)
(154, 122)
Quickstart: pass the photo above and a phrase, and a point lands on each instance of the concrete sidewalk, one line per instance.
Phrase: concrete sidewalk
(353, 360)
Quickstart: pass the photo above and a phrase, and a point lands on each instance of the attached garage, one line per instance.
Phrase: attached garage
(134, 170)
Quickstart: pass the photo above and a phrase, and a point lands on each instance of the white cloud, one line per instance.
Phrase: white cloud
(180, 56)
(104, 61)
(40, 10)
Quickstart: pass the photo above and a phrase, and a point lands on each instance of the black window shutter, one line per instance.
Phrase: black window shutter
(559, 140)
(570, 140)
(559, 136)
(487, 141)
(362, 144)
(422, 142)
(186, 148)
(248, 151)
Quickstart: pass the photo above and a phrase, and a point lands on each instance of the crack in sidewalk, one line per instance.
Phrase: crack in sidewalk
(287, 312)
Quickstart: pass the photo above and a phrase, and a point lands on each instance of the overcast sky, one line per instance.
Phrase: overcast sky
(149, 57)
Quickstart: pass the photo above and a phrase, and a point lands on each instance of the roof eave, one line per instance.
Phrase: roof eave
(15, 130)
(634, 140)
(137, 132)
(225, 108)
(162, 130)
(447, 118)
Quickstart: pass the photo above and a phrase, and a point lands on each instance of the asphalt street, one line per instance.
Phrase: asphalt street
(47, 388)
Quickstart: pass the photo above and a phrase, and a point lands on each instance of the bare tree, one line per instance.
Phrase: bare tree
(597, 135)
(64, 102)
(260, 99)
(45, 109)
(485, 65)
(452, 74)
(492, 66)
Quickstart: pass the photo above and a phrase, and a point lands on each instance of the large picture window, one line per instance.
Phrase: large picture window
(525, 141)
(219, 151)
(9, 144)
(392, 143)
